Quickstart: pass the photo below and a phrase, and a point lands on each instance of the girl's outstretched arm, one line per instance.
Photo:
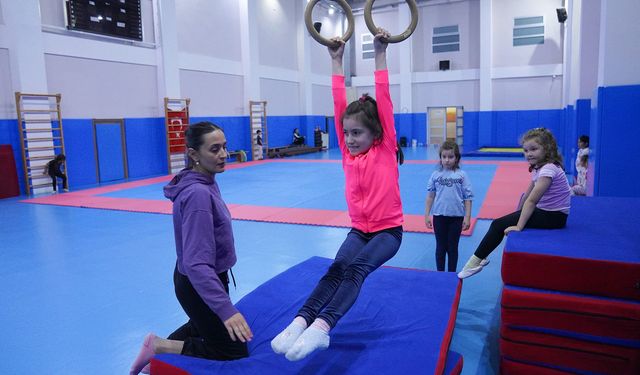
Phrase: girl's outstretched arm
(540, 187)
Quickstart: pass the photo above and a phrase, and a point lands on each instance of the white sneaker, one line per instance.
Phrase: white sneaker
(470, 271)
(484, 262)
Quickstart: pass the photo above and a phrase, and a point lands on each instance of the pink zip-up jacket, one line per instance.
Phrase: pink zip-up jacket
(372, 190)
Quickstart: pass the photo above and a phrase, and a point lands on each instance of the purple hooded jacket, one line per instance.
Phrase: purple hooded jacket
(204, 239)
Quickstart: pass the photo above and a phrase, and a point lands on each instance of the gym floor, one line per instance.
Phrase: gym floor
(82, 287)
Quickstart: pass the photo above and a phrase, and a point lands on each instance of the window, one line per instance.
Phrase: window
(446, 39)
(367, 47)
(528, 30)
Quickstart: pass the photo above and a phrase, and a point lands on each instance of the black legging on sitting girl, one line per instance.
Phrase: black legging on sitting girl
(540, 219)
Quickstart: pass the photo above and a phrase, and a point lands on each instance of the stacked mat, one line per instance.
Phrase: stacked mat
(571, 300)
(402, 323)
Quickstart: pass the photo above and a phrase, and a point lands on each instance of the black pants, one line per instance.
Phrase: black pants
(447, 230)
(540, 219)
(204, 335)
(54, 180)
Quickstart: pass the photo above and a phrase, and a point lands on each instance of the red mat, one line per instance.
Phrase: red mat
(568, 312)
(500, 202)
(541, 348)
(509, 367)
(510, 181)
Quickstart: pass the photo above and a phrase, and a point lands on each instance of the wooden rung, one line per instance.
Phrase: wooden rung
(34, 167)
(175, 131)
(29, 149)
(40, 130)
(39, 110)
(37, 121)
(40, 157)
(41, 139)
(28, 95)
(40, 185)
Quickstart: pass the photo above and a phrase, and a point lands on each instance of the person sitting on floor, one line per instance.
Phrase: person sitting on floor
(298, 140)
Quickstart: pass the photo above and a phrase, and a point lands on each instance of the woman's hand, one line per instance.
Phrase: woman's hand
(337, 52)
(510, 229)
(238, 328)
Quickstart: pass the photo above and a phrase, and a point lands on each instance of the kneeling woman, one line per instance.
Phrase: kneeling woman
(205, 252)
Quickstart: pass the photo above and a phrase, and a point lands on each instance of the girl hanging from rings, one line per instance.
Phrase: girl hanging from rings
(369, 162)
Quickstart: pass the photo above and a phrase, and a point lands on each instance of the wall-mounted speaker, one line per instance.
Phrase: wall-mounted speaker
(562, 14)
(444, 64)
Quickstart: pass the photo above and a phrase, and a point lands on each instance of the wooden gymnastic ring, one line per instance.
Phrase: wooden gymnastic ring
(368, 19)
(316, 35)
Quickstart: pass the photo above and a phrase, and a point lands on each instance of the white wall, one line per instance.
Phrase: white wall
(465, 14)
(505, 53)
(7, 98)
(283, 97)
(277, 21)
(213, 94)
(322, 100)
(527, 93)
(102, 89)
(442, 94)
(209, 28)
(619, 52)
(589, 46)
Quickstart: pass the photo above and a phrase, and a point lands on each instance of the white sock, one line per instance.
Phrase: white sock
(311, 339)
(473, 262)
(285, 339)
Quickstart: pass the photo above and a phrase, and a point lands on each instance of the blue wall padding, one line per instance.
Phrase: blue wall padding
(80, 152)
(110, 152)
(485, 128)
(404, 126)
(146, 147)
(505, 128)
(470, 131)
(583, 116)
(613, 138)
(236, 131)
(333, 138)
(411, 125)
(9, 136)
(570, 135)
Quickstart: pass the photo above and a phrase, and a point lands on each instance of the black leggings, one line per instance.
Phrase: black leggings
(54, 180)
(204, 335)
(447, 230)
(540, 219)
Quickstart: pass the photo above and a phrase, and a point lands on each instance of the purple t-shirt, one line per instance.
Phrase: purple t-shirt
(558, 195)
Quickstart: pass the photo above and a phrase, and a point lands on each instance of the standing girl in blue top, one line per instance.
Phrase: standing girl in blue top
(449, 200)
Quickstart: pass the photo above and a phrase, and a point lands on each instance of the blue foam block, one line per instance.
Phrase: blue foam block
(401, 323)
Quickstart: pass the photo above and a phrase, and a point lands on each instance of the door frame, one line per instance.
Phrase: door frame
(458, 127)
(107, 121)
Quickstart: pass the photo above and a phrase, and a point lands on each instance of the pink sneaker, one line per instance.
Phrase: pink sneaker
(145, 355)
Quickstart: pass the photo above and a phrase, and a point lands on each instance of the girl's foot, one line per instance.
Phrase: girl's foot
(311, 339)
(285, 339)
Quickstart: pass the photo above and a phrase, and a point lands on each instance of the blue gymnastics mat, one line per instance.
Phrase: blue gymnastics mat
(598, 252)
(402, 323)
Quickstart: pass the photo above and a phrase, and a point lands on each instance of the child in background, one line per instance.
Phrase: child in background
(450, 195)
(582, 160)
(369, 160)
(54, 170)
(546, 202)
(259, 143)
